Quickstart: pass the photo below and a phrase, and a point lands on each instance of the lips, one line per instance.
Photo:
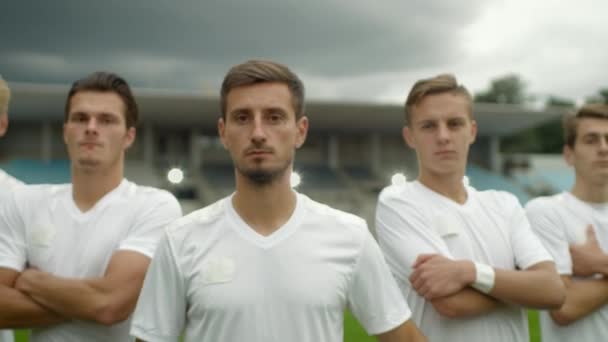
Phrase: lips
(257, 151)
(89, 144)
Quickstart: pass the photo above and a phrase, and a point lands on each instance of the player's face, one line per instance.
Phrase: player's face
(95, 132)
(260, 130)
(441, 131)
(589, 156)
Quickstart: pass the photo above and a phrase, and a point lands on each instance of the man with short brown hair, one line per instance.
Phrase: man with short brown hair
(73, 256)
(573, 227)
(457, 252)
(267, 263)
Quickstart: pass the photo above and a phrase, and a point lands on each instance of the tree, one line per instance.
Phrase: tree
(505, 89)
(544, 138)
(600, 97)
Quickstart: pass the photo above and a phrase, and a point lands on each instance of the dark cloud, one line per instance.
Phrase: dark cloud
(190, 44)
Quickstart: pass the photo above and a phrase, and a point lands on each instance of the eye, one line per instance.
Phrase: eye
(78, 118)
(427, 125)
(591, 139)
(455, 123)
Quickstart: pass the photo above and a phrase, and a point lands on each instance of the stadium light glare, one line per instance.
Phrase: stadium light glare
(398, 179)
(175, 175)
(295, 179)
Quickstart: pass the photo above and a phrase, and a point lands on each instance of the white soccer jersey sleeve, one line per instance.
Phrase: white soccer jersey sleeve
(547, 227)
(12, 235)
(527, 248)
(398, 220)
(373, 296)
(159, 211)
(160, 314)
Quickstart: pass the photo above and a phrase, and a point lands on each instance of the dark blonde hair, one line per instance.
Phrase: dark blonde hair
(571, 120)
(106, 82)
(260, 71)
(444, 83)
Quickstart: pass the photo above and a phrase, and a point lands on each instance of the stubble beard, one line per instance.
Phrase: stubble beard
(261, 177)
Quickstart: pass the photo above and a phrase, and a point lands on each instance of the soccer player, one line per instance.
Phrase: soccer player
(7, 183)
(73, 256)
(267, 263)
(573, 226)
(466, 260)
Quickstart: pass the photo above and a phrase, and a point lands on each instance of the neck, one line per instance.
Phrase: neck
(450, 185)
(89, 186)
(590, 192)
(265, 208)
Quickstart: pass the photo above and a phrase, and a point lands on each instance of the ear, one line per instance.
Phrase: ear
(568, 155)
(221, 129)
(130, 137)
(406, 133)
(473, 131)
(3, 123)
(302, 127)
(65, 138)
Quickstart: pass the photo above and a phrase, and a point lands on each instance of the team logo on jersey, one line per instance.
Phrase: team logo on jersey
(218, 270)
(43, 236)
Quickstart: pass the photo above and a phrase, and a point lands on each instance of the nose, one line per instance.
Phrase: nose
(443, 133)
(91, 126)
(604, 144)
(259, 133)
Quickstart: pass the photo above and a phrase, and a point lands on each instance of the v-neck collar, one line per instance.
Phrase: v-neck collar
(248, 233)
(101, 203)
(448, 201)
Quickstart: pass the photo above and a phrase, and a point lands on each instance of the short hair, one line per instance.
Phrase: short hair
(444, 83)
(571, 120)
(5, 96)
(106, 82)
(262, 71)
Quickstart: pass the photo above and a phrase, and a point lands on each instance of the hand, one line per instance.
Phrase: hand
(587, 256)
(27, 280)
(436, 276)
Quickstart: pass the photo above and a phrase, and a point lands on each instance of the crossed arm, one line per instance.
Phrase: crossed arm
(446, 284)
(37, 298)
(584, 295)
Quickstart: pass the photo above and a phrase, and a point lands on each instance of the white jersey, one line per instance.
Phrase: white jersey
(559, 221)
(491, 228)
(42, 227)
(7, 185)
(215, 277)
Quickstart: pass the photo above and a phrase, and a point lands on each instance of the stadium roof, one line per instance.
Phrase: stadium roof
(40, 102)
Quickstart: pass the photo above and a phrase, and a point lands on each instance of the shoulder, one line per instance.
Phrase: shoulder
(407, 193)
(500, 200)
(334, 221)
(202, 220)
(544, 204)
(148, 192)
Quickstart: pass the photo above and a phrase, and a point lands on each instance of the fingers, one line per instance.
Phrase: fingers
(422, 258)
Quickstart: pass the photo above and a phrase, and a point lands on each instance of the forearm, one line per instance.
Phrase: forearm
(80, 299)
(406, 332)
(539, 289)
(19, 311)
(468, 302)
(582, 298)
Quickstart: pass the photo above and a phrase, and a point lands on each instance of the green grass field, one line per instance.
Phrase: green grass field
(354, 333)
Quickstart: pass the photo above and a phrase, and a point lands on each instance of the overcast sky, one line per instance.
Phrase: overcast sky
(343, 50)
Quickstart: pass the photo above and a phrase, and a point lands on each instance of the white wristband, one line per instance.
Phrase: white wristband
(484, 277)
